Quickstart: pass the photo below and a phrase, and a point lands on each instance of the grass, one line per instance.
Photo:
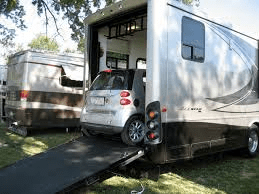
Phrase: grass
(14, 147)
(211, 175)
(232, 174)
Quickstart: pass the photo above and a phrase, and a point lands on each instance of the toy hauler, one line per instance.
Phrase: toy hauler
(43, 90)
(201, 92)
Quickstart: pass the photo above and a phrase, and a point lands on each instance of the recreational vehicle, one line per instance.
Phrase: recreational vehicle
(3, 74)
(201, 93)
(43, 90)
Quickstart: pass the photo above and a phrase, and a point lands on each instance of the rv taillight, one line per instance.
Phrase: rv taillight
(152, 114)
(125, 101)
(24, 94)
(108, 71)
(124, 94)
(151, 136)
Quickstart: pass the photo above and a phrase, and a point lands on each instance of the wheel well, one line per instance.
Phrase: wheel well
(254, 123)
(141, 116)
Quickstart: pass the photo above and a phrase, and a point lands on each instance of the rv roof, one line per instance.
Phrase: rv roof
(114, 10)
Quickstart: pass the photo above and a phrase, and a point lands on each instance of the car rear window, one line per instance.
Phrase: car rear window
(115, 80)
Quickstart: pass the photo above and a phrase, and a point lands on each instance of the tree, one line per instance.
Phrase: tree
(191, 2)
(13, 12)
(74, 11)
(44, 43)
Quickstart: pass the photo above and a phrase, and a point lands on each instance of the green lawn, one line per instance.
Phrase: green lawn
(14, 147)
(232, 174)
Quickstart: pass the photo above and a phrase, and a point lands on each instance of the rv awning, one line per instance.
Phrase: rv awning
(74, 72)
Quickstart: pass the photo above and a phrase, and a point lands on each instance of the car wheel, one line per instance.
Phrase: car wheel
(252, 141)
(133, 131)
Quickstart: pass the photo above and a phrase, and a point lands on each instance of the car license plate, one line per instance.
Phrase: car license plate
(97, 100)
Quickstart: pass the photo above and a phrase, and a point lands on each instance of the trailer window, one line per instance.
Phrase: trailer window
(117, 60)
(193, 40)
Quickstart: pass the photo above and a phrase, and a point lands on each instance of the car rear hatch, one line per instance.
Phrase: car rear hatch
(103, 98)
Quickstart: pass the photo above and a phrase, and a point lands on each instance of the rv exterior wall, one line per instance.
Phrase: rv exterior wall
(44, 89)
(201, 78)
(156, 50)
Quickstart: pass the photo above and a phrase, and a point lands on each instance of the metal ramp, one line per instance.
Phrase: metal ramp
(58, 168)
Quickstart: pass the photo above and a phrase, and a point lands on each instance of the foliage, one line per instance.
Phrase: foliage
(73, 11)
(81, 45)
(188, 2)
(44, 43)
(13, 12)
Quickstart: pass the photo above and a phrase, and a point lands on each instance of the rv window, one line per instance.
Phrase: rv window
(193, 40)
(68, 78)
(117, 60)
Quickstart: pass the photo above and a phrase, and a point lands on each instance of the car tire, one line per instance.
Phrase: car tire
(133, 131)
(252, 142)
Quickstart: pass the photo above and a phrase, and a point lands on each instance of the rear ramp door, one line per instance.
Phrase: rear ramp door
(66, 165)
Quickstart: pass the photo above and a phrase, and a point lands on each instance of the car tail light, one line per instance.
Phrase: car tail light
(125, 101)
(124, 94)
(24, 94)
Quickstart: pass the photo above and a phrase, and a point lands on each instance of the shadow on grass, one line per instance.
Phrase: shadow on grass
(14, 147)
(211, 174)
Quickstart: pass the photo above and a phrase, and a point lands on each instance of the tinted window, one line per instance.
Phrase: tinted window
(117, 60)
(193, 40)
(115, 80)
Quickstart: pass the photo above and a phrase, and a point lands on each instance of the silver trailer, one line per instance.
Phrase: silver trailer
(201, 76)
(43, 90)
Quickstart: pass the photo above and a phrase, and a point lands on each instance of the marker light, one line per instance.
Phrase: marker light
(164, 109)
(24, 94)
(108, 71)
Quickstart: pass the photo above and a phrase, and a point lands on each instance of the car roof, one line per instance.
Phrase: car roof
(124, 70)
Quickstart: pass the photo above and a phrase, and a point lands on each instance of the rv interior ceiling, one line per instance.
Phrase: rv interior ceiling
(122, 42)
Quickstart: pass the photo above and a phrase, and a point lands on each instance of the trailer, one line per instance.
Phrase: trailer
(201, 93)
(44, 90)
(82, 161)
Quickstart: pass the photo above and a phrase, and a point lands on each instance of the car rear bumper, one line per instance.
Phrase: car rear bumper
(107, 129)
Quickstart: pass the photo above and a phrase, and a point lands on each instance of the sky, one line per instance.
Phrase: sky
(241, 14)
